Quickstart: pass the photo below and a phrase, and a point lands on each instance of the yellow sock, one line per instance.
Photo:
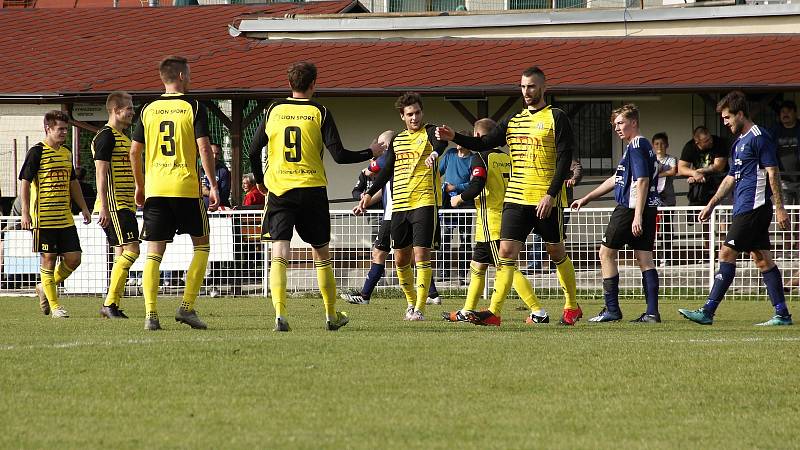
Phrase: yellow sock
(119, 274)
(150, 278)
(566, 276)
(405, 275)
(525, 291)
(62, 272)
(477, 282)
(502, 284)
(277, 285)
(195, 275)
(327, 286)
(49, 287)
(424, 273)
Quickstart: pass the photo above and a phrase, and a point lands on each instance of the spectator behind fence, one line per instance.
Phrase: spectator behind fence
(454, 166)
(704, 161)
(223, 176)
(87, 189)
(787, 136)
(252, 196)
(668, 168)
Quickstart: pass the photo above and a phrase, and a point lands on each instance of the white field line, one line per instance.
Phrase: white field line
(146, 341)
(127, 342)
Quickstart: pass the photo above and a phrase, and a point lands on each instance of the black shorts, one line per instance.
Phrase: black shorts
(383, 241)
(618, 231)
(750, 231)
(486, 252)
(123, 228)
(165, 216)
(519, 220)
(418, 227)
(56, 240)
(305, 209)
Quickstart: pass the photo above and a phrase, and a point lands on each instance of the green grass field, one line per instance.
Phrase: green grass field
(381, 382)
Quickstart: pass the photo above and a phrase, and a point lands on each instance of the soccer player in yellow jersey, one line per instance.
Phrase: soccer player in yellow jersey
(295, 132)
(540, 142)
(172, 130)
(411, 163)
(115, 205)
(489, 174)
(47, 182)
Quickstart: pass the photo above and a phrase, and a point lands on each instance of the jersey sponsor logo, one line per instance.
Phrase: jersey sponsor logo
(171, 165)
(57, 175)
(169, 111)
(731, 242)
(501, 165)
(295, 117)
(405, 155)
(619, 178)
(297, 171)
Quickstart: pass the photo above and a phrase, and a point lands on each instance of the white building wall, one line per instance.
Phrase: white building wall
(18, 122)
(361, 121)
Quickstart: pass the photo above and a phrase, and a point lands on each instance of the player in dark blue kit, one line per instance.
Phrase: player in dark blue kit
(756, 184)
(633, 222)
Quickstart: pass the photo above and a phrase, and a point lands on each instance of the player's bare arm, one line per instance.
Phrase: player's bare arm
(25, 199)
(136, 168)
(601, 190)
(207, 159)
(642, 186)
(102, 168)
(724, 189)
(777, 197)
(77, 196)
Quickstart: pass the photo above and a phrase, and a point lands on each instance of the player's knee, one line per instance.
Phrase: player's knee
(509, 250)
(72, 260)
(379, 256)
(606, 254)
(762, 260)
(49, 259)
(727, 254)
(557, 252)
(132, 248)
(645, 259)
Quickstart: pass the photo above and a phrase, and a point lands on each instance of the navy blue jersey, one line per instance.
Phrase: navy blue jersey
(638, 161)
(752, 153)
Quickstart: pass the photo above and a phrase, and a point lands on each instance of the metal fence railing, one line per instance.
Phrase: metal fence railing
(238, 265)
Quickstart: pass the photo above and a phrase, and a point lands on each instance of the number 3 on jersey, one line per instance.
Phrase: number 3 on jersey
(291, 141)
(168, 128)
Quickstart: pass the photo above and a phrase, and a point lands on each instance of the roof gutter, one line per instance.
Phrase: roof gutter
(258, 27)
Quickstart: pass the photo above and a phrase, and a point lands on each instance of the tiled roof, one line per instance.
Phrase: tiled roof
(98, 50)
(95, 3)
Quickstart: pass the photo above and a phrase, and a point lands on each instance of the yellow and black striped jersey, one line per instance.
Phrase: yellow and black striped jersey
(414, 184)
(114, 147)
(169, 128)
(540, 144)
(295, 132)
(489, 175)
(50, 171)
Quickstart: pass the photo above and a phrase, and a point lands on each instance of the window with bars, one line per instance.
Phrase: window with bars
(592, 135)
(424, 5)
